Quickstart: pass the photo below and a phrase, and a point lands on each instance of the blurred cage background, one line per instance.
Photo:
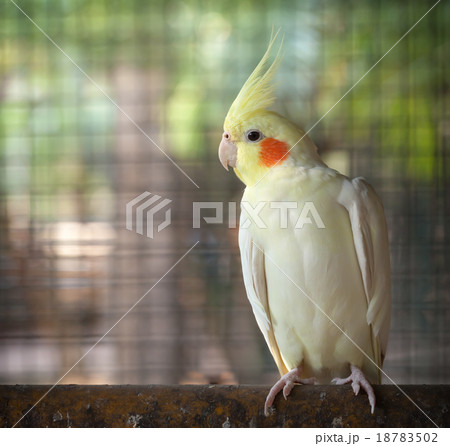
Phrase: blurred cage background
(70, 161)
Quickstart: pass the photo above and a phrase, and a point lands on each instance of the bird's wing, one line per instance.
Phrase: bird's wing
(253, 269)
(372, 249)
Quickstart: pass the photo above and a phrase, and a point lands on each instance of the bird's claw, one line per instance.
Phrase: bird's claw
(356, 387)
(358, 380)
(286, 383)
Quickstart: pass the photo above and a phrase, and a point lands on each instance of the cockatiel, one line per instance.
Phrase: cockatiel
(314, 248)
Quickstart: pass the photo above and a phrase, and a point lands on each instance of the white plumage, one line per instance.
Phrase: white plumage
(314, 248)
(321, 296)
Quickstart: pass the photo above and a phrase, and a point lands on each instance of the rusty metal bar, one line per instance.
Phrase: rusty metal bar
(220, 406)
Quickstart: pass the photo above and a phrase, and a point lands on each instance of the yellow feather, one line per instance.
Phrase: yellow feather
(258, 91)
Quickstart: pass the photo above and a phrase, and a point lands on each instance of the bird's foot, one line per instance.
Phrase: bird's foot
(286, 383)
(358, 380)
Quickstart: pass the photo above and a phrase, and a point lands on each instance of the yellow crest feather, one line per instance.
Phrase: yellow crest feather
(258, 91)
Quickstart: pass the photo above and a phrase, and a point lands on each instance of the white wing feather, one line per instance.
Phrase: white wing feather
(371, 244)
(253, 269)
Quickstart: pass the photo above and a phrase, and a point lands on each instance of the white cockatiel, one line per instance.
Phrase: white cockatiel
(314, 248)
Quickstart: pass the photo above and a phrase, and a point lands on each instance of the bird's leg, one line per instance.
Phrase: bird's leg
(286, 383)
(358, 380)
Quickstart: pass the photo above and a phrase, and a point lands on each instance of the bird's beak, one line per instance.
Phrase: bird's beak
(227, 151)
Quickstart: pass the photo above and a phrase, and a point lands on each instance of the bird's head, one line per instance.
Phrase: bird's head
(256, 139)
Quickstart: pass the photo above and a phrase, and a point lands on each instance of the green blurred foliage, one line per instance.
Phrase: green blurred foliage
(53, 119)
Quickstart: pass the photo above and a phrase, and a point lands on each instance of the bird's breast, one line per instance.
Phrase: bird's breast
(314, 285)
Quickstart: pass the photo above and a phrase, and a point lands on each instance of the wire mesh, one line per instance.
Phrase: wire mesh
(72, 157)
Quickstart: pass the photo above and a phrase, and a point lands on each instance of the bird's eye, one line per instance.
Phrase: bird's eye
(253, 135)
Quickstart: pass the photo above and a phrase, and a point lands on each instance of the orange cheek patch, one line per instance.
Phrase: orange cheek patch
(273, 151)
